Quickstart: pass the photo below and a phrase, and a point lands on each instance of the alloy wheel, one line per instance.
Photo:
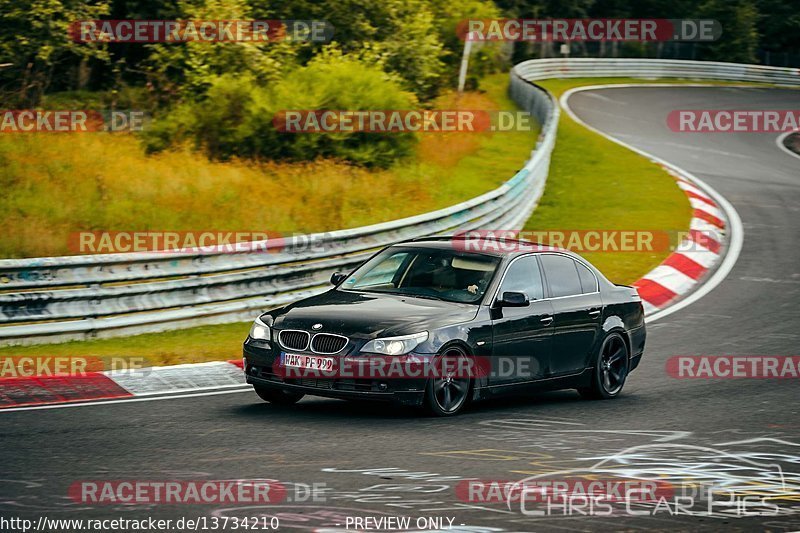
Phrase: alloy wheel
(613, 365)
(450, 390)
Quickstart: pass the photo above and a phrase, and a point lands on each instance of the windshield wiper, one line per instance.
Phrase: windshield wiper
(423, 296)
(395, 293)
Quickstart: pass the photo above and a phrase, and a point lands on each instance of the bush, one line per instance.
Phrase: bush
(235, 117)
(126, 97)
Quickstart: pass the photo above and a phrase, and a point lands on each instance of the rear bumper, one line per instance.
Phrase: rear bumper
(258, 369)
(637, 336)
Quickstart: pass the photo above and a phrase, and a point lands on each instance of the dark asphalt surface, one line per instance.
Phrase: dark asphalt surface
(375, 461)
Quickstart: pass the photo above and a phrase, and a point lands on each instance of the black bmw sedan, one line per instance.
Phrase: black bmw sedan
(441, 322)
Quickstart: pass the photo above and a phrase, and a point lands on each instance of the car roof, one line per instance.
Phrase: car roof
(487, 245)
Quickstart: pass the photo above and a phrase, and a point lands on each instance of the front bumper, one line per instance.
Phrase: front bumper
(260, 357)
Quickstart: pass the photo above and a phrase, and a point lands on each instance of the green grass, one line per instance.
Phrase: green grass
(194, 345)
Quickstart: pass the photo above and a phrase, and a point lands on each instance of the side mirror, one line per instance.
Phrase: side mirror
(338, 277)
(513, 299)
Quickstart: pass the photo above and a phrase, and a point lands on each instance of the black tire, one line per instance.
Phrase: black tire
(447, 395)
(610, 369)
(278, 396)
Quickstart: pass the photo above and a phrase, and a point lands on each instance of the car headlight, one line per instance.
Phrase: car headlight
(260, 331)
(395, 345)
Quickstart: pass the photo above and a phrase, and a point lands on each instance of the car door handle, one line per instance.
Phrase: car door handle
(547, 320)
(594, 313)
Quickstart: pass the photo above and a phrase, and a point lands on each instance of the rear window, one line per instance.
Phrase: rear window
(588, 281)
(562, 275)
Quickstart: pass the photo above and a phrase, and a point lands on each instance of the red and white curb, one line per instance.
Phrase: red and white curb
(715, 235)
(696, 255)
(159, 381)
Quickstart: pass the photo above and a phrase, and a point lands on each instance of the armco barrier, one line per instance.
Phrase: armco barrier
(655, 68)
(56, 299)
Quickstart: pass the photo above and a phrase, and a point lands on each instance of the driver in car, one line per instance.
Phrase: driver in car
(460, 274)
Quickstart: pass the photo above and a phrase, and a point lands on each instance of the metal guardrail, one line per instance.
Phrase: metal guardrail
(655, 68)
(56, 299)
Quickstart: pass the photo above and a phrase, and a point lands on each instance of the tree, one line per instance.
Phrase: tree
(187, 70)
(36, 40)
(739, 20)
(414, 39)
(779, 24)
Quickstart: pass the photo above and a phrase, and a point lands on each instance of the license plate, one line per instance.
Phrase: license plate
(308, 362)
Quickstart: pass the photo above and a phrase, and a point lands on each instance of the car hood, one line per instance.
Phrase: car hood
(369, 315)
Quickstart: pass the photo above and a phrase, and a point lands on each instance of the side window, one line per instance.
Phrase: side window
(524, 276)
(562, 276)
(588, 281)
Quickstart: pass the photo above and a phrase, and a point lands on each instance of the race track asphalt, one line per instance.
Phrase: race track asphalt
(375, 461)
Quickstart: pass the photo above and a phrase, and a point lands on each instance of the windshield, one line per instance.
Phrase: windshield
(426, 273)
